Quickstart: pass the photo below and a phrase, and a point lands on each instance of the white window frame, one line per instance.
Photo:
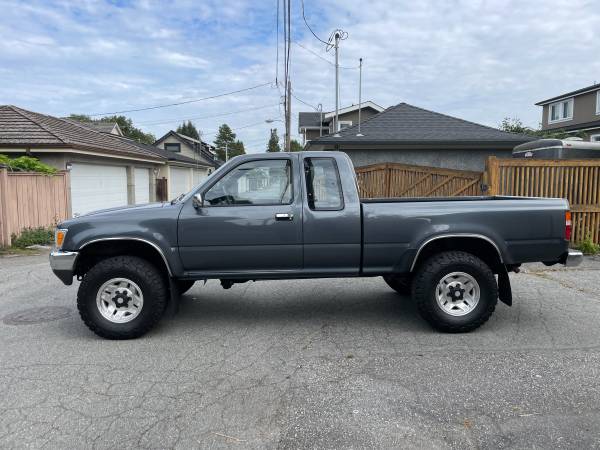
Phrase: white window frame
(598, 103)
(595, 138)
(562, 110)
(344, 122)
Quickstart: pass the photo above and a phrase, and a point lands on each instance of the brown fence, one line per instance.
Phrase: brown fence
(402, 180)
(576, 180)
(31, 200)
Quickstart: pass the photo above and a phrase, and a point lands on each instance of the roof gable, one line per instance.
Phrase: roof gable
(407, 124)
(585, 90)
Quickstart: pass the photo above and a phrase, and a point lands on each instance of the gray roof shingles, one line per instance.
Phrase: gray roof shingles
(19, 127)
(405, 124)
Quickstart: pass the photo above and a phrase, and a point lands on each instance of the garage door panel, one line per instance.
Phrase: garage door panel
(179, 182)
(142, 186)
(96, 187)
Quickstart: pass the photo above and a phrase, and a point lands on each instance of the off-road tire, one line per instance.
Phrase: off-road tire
(145, 275)
(433, 270)
(184, 285)
(402, 284)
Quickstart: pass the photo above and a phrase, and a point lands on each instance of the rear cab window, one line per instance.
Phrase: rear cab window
(323, 185)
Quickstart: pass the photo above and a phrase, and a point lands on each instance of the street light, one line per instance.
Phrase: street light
(273, 120)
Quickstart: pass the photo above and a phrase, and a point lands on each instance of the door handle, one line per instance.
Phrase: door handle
(284, 216)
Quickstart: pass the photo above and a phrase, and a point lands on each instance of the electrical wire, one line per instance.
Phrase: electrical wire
(173, 120)
(322, 57)
(277, 51)
(309, 28)
(182, 103)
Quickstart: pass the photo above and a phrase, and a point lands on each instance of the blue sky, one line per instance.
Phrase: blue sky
(478, 60)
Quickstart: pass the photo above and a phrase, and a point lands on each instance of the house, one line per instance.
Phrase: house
(190, 161)
(312, 125)
(576, 111)
(106, 170)
(412, 135)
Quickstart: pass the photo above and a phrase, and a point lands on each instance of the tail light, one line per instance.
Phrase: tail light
(568, 225)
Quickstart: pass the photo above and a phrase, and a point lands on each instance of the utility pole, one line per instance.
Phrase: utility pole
(288, 115)
(337, 80)
(226, 151)
(320, 106)
(359, 93)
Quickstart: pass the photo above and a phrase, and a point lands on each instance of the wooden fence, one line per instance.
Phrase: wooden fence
(29, 200)
(403, 180)
(576, 180)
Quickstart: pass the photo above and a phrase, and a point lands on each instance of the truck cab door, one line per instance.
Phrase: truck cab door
(332, 216)
(249, 223)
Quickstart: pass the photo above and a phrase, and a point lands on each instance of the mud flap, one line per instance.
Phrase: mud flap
(173, 305)
(504, 289)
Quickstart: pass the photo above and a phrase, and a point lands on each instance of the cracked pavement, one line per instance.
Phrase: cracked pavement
(339, 363)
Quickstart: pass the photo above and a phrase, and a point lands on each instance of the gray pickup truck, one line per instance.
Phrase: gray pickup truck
(279, 216)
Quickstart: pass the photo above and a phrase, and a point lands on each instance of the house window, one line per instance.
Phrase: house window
(344, 124)
(595, 138)
(172, 147)
(262, 182)
(598, 103)
(561, 111)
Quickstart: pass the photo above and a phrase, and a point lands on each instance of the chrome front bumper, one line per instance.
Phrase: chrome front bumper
(62, 264)
(573, 258)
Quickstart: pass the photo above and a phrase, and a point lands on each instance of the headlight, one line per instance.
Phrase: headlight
(59, 237)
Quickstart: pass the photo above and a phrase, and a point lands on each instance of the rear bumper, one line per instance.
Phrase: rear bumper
(62, 264)
(572, 258)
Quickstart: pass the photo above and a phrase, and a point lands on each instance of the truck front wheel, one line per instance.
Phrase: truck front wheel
(455, 291)
(122, 297)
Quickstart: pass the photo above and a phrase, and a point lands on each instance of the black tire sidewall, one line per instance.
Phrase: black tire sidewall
(432, 273)
(140, 272)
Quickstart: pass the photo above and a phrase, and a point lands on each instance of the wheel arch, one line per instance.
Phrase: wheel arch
(478, 244)
(93, 251)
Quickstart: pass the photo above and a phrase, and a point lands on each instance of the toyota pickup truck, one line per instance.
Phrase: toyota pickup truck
(276, 216)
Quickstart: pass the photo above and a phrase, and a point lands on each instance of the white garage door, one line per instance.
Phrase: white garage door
(142, 186)
(199, 175)
(179, 182)
(97, 187)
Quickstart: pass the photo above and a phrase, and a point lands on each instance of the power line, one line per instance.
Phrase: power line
(277, 52)
(309, 28)
(153, 122)
(306, 103)
(181, 103)
(213, 132)
(322, 57)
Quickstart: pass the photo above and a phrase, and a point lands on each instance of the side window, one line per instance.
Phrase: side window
(263, 182)
(323, 184)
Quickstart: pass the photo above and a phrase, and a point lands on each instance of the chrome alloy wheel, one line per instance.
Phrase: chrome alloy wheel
(119, 300)
(457, 293)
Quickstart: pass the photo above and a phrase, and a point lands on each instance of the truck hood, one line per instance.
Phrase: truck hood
(111, 212)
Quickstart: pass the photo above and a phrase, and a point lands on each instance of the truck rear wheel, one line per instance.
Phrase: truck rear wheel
(122, 297)
(400, 283)
(455, 291)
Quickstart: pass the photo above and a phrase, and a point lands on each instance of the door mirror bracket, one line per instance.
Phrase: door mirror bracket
(198, 200)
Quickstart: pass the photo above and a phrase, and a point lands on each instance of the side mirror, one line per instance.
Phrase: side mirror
(198, 201)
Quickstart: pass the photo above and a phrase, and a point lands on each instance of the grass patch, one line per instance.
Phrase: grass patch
(33, 236)
(588, 247)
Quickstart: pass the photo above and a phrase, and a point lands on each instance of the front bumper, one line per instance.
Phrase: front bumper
(573, 258)
(63, 265)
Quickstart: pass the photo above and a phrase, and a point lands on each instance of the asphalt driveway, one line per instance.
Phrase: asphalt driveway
(310, 364)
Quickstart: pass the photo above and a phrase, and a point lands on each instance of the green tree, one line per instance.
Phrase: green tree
(224, 136)
(514, 125)
(295, 146)
(125, 124)
(273, 145)
(236, 148)
(188, 129)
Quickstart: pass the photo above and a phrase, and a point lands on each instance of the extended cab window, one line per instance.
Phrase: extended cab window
(323, 184)
(263, 182)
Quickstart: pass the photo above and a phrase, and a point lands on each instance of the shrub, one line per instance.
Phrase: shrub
(33, 236)
(27, 163)
(588, 246)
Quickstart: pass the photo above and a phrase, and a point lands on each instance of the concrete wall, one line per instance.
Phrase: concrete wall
(584, 111)
(447, 159)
